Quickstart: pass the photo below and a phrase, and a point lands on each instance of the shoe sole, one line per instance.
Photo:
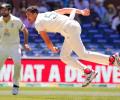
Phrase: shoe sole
(92, 77)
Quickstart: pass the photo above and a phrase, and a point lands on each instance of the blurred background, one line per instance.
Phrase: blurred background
(100, 30)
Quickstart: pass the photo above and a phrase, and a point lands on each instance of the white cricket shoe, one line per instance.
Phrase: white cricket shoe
(89, 78)
(15, 90)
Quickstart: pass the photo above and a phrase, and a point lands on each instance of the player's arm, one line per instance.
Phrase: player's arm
(48, 42)
(26, 33)
(84, 12)
(22, 28)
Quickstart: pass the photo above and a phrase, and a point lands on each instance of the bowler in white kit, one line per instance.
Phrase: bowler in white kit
(56, 21)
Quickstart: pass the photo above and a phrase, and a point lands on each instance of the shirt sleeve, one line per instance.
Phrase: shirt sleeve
(21, 26)
(39, 27)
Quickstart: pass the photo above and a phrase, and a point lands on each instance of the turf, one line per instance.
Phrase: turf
(65, 97)
(60, 97)
(101, 89)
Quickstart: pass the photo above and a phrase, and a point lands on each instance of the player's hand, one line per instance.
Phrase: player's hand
(85, 12)
(54, 49)
(26, 47)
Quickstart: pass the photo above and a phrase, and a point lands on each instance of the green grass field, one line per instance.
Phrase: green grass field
(34, 96)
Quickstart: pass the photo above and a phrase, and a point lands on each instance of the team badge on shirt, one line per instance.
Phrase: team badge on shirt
(6, 32)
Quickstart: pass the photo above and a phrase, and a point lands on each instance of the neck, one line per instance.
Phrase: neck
(6, 19)
(36, 16)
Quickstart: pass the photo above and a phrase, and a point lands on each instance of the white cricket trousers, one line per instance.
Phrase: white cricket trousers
(71, 31)
(13, 51)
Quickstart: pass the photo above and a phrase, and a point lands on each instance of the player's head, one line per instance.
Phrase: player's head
(31, 13)
(5, 9)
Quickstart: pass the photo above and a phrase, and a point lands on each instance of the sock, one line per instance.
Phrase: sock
(87, 71)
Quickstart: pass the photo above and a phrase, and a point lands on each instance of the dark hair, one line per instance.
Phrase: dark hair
(6, 5)
(32, 9)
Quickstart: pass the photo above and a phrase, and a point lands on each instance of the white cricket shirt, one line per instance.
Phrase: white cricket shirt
(9, 32)
(50, 22)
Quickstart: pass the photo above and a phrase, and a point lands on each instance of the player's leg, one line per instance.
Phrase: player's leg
(90, 74)
(79, 49)
(92, 56)
(88, 55)
(17, 69)
(3, 56)
(65, 56)
(16, 56)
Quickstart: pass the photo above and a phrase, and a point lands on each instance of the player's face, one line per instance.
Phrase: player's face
(31, 16)
(4, 12)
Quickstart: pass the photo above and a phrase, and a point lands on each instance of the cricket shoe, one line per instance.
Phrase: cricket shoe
(89, 78)
(15, 90)
(115, 60)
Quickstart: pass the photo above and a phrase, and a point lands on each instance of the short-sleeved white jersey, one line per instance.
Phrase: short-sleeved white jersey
(50, 22)
(9, 32)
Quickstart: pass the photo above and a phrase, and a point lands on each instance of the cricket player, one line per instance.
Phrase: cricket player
(10, 41)
(56, 21)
